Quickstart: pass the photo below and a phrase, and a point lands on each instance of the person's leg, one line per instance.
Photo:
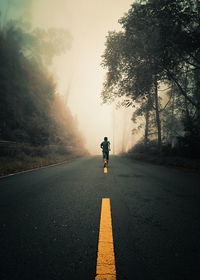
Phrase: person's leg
(104, 159)
(104, 156)
(107, 156)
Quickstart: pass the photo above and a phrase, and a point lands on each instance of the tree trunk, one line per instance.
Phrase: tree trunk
(146, 133)
(186, 114)
(171, 132)
(197, 92)
(158, 122)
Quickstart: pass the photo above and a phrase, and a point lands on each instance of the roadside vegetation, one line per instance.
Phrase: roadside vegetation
(36, 127)
(153, 65)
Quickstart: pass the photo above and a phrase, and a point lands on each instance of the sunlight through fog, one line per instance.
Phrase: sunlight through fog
(78, 73)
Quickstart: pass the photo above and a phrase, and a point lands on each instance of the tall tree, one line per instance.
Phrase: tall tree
(159, 45)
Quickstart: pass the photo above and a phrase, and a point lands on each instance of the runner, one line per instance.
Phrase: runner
(105, 146)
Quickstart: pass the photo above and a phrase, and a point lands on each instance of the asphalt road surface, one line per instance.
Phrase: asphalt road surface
(49, 221)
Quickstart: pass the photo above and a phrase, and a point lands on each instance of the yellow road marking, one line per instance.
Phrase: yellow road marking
(105, 269)
(105, 170)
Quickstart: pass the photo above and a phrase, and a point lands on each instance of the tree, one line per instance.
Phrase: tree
(31, 111)
(159, 46)
(132, 71)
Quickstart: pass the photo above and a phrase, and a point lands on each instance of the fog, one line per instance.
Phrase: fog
(78, 73)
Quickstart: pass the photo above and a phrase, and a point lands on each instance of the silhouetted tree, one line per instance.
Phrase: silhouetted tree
(158, 47)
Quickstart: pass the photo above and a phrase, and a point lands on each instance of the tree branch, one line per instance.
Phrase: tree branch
(171, 76)
(166, 103)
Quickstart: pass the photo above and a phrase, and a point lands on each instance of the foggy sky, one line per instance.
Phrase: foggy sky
(78, 73)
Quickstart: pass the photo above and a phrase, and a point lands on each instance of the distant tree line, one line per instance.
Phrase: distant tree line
(153, 64)
(31, 111)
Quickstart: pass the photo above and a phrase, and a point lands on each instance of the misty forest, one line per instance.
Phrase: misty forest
(153, 65)
(35, 122)
(99, 139)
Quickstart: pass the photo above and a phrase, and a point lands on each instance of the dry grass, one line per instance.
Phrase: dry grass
(175, 161)
(27, 157)
(14, 165)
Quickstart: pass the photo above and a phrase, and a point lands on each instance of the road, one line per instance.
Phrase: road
(50, 218)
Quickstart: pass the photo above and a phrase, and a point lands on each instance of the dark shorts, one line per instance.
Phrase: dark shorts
(106, 155)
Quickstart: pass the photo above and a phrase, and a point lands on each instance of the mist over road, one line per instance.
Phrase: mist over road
(49, 222)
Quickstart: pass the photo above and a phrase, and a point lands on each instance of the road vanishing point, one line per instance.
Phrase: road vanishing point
(72, 221)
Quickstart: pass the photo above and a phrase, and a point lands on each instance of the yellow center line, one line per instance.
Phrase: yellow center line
(105, 269)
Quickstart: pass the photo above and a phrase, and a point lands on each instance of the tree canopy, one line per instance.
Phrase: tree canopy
(158, 48)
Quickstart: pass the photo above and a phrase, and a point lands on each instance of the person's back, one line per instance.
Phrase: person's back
(105, 146)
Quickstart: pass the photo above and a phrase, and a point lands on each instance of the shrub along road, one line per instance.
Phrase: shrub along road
(49, 221)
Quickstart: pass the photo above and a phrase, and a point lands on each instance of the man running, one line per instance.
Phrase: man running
(105, 146)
